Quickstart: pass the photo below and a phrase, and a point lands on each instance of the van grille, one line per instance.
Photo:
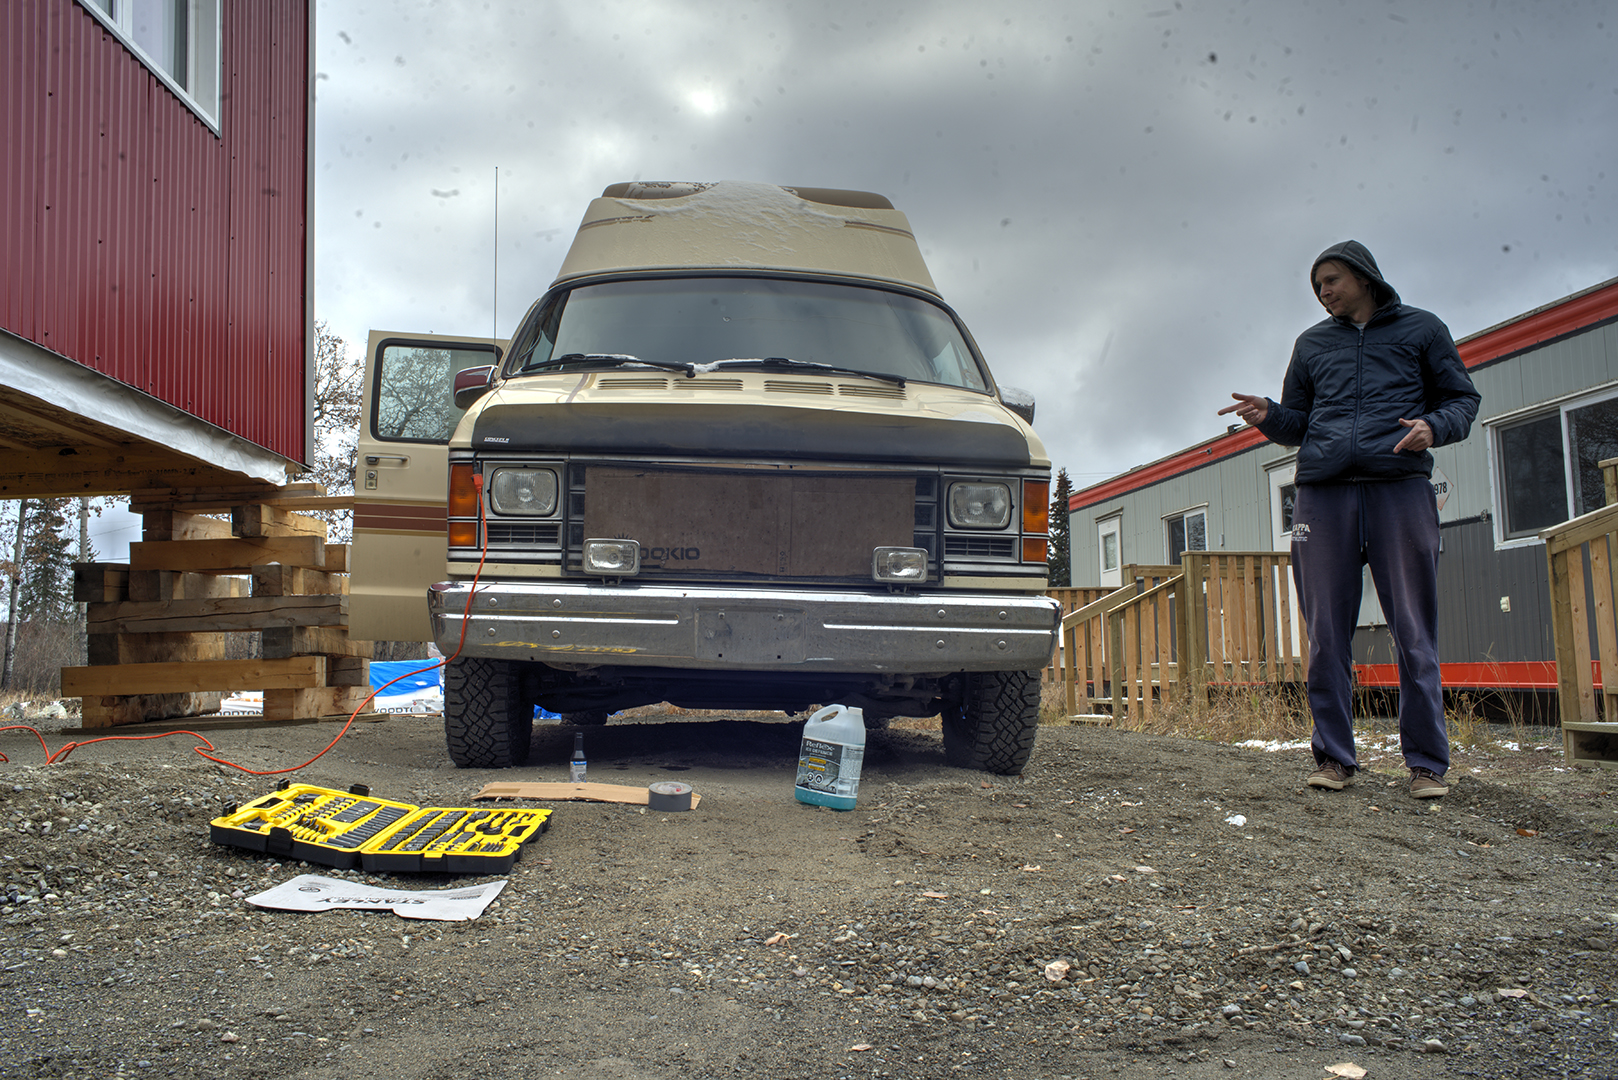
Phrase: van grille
(505, 532)
(979, 547)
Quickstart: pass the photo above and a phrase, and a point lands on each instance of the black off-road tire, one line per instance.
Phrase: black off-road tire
(992, 725)
(589, 718)
(488, 719)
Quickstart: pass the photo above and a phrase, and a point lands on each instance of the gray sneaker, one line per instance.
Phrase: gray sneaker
(1426, 784)
(1329, 774)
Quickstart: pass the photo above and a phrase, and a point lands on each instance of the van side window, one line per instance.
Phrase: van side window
(413, 399)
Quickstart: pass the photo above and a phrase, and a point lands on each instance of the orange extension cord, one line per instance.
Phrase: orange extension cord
(207, 748)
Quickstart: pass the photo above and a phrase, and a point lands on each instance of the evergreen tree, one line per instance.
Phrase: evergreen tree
(1060, 556)
(46, 590)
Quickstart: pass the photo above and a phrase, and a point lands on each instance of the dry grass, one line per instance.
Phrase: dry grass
(1476, 720)
(1235, 714)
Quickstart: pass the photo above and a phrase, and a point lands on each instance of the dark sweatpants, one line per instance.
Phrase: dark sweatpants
(1393, 527)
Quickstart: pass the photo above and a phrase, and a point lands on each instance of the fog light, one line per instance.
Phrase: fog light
(899, 565)
(612, 558)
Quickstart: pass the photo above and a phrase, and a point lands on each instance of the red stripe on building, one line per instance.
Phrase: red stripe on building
(1202, 454)
(1512, 675)
(1567, 316)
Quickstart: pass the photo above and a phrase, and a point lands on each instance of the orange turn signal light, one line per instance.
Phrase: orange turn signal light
(463, 492)
(1036, 506)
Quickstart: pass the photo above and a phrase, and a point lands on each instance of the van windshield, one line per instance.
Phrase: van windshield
(705, 320)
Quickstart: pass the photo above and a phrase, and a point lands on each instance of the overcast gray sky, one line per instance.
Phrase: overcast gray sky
(1122, 201)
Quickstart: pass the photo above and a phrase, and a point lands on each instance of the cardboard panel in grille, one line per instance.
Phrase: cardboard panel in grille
(751, 523)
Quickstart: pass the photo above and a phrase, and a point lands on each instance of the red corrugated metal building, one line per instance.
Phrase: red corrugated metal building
(155, 270)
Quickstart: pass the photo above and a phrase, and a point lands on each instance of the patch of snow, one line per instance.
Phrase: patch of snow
(1271, 745)
(761, 216)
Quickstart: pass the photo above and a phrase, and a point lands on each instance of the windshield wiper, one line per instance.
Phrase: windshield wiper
(811, 365)
(689, 370)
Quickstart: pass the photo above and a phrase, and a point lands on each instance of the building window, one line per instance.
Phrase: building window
(1288, 501)
(177, 39)
(1112, 563)
(1186, 532)
(1549, 463)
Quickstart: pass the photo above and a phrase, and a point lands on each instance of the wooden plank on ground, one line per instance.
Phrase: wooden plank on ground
(115, 710)
(557, 792)
(236, 614)
(236, 555)
(174, 678)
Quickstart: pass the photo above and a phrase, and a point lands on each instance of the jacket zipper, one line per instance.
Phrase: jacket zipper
(1359, 400)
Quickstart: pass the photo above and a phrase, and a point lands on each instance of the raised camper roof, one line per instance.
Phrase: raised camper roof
(741, 225)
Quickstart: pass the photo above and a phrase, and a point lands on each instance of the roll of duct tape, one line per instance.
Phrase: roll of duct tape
(668, 795)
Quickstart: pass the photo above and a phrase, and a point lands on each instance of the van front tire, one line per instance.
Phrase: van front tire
(991, 725)
(488, 720)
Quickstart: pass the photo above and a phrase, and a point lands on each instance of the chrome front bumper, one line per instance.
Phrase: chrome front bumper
(745, 629)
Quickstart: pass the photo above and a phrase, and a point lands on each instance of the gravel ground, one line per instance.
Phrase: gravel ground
(1132, 906)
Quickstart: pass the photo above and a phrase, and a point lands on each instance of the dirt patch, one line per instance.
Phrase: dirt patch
(1131, 906)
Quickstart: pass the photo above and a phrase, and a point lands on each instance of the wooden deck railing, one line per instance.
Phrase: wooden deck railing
(1249, 633)
(1220, 618)
(1580, 554)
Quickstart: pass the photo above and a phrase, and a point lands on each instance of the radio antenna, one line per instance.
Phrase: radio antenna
(494, 306)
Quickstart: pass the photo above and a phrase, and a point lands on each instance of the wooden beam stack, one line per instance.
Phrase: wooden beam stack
(159, 625)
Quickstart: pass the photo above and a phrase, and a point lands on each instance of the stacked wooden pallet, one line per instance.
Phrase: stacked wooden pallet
(213, 563)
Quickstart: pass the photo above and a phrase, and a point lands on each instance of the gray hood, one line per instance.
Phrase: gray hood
(1357, 257)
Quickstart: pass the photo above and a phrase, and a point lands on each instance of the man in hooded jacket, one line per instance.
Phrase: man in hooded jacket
(1368, 391)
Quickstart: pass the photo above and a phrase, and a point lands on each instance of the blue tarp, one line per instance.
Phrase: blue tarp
(427, 682)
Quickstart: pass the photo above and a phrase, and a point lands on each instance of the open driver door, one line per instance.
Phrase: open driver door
(401, 477)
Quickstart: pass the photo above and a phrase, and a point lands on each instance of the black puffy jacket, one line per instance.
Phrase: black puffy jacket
(1346, 388)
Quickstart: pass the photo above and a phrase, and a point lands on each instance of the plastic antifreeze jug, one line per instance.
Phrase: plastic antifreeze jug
(830, 757)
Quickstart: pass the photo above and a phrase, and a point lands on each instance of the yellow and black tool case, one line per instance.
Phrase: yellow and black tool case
(345, 829)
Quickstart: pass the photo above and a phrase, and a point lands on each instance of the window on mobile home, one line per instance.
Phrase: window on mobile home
(177, 39)
(1186, 532)
(1550, 462)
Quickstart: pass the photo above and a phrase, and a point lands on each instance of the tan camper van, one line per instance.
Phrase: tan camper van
(740, 455)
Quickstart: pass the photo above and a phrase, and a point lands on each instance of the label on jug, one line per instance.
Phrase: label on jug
(833, 768)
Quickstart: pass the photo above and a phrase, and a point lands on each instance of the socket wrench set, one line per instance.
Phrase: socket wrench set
(348, 829)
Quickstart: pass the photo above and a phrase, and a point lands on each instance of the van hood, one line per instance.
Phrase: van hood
(595, 412)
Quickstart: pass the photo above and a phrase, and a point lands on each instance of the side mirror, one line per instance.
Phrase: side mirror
(472, 383)
(1018, 401)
